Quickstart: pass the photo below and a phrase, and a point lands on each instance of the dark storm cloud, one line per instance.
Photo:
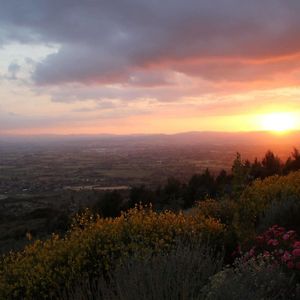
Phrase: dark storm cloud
(116, 41)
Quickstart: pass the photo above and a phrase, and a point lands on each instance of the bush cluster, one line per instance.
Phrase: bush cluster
(177, 274)
(283, 246)
(252, 279)
(259, 199)
(142, 240)
(94, 246)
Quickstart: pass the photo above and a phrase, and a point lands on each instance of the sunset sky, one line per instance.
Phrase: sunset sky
(148, 66)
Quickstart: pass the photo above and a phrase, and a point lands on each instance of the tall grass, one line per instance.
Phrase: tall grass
(178, 274)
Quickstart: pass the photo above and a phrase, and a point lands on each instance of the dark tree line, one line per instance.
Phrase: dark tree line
(270, 165)
(177, 195)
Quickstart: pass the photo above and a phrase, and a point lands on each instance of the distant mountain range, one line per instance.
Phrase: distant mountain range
(188, 138)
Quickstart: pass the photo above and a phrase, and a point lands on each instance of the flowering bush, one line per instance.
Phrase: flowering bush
(278, 244)
(260, 196)
(95, 245)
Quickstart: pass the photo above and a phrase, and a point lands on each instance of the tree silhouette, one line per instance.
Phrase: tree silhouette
(271, 164)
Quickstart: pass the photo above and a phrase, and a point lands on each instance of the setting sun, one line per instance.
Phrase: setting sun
(278, 122)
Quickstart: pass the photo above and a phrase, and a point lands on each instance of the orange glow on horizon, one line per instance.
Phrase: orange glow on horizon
(270, 118)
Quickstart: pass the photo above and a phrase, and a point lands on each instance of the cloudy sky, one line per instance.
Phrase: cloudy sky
(140, 66)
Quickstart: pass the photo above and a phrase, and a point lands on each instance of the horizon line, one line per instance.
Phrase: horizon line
(287, 132)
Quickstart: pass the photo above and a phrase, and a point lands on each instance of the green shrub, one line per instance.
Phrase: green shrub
(261, 195)
(223, 210)
(283, 213)
(251, 280)
(178, 274)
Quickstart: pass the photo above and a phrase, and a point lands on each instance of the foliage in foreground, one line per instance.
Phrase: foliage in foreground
(254, 279)
(94, 246)
(261, 197)
(190, 273)
(178, 274)
(283, 246)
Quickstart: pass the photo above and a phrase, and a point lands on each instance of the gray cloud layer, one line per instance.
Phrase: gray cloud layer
(116, 41)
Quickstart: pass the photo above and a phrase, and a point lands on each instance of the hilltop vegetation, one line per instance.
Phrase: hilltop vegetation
(176, 195)
(41, 188)
(248, 235)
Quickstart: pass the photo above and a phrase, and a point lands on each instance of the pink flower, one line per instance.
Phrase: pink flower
(273, 242)
(296, 244)
(277, 231)
(296, 252)
(291, 232)
(286, 256)
(286, 237)
(282, 245)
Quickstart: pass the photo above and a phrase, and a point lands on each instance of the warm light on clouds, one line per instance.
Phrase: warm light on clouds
(149, 66)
